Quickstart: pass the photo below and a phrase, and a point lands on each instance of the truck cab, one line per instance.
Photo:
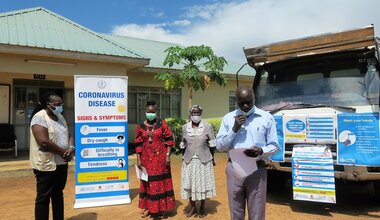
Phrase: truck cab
(320, 76)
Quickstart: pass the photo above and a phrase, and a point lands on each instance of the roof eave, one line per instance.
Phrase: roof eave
(43, 52)
(154, 70)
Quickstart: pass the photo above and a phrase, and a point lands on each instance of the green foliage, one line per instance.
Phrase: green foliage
(175, 125)
(200, 67)
(215, 124)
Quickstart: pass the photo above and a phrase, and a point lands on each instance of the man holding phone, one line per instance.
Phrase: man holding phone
(254, 129)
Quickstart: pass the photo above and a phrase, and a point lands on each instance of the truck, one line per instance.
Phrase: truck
(331, 78)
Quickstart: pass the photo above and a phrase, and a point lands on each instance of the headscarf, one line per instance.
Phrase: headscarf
(194, 107)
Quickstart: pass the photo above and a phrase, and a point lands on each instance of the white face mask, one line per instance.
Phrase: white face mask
(196, 118)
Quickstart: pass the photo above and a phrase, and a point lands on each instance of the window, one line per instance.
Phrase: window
(310, 83)
(168, 103)
(345, 73)
(232, 101)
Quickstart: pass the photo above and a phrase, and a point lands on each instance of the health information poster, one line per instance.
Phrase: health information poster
(313, 174)
(280, 154)
(101, 154)
(358, 139)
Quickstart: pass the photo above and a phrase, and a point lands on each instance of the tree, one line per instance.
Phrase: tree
(200, 67)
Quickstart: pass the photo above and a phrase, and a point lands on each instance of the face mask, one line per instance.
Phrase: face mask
(58, 110)
(150, 116)
(250, 112)
(196, 118)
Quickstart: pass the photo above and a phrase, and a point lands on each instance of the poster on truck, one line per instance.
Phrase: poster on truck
(313, 174)
(316, 128)
(101, 155)
(294, 128)
(358, 139)
(280, 154)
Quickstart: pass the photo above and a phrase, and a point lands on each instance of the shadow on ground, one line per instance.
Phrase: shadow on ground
(352, 199)
(85, 216)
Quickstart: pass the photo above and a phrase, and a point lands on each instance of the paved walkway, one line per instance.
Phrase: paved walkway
(11, 167)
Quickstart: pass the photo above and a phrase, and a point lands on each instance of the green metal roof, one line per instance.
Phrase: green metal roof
(155, 50)
(41, 28)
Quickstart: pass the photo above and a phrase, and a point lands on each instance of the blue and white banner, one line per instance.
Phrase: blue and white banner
(313, 174)
(316, 128)
(358, 139)
(101, 155)
(280, 154)
(294, 128)
(320, 129)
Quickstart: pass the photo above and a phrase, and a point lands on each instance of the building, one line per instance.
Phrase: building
(41, 50)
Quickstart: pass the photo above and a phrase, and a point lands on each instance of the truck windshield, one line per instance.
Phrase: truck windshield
(339, 88)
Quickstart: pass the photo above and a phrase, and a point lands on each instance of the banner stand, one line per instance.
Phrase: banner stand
(101, 141)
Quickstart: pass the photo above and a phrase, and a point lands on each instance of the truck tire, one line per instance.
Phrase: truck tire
(276, 180)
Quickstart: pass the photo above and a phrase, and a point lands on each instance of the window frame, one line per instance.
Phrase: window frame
(139, 106)
(231, 96)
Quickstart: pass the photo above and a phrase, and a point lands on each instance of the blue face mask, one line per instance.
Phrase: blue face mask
(250, 112)
(150, 116)
(58, 110)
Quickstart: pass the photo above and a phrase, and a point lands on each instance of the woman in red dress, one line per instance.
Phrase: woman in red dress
(153, 145)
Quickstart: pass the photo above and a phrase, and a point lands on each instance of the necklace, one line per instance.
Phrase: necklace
(150, 130)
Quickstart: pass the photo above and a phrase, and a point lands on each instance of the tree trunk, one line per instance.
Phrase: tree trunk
(190, 89)
(190, 97)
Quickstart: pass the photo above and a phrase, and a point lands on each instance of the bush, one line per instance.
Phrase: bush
(175, 125)
(216, 122)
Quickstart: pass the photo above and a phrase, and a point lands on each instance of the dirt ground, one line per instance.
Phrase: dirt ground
(354, 202)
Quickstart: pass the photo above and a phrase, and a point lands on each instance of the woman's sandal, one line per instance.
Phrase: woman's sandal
(144, 213)
(159, 215)
(201, 214)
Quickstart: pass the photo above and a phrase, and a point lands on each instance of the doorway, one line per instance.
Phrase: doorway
(26, 94)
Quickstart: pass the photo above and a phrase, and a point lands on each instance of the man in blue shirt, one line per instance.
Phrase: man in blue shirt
(254, 129)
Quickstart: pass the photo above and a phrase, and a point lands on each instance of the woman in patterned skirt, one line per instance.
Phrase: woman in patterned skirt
(153, 145)
(197, 178)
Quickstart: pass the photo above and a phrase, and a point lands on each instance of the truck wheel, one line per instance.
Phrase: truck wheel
(276, 180)
(376, 190)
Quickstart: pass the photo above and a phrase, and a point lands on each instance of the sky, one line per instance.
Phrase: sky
(226, 26)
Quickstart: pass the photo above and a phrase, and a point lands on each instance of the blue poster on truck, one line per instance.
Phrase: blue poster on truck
(358, 139)
(304, 128)
(280, 154)
(101, 154)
